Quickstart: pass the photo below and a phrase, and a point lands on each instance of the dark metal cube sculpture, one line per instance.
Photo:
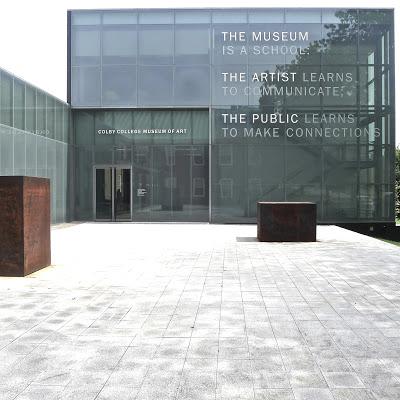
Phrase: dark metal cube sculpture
(24, 225)
(286, 221)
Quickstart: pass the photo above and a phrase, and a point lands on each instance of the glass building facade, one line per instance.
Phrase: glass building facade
(195, 115)
(35, 138)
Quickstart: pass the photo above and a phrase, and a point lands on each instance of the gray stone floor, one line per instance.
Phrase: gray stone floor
(193, 311)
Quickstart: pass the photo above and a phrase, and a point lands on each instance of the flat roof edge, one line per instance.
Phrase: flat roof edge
(227, 8)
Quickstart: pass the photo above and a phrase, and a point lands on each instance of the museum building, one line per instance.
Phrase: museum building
(196, 114)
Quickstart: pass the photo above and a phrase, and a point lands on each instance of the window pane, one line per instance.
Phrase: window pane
(50, 116)
(85, 18)
(66, 124)
(155, 85)
(261, 16)
(41, 114)
(156, 44)
(228, 48)
(19, 104)
(119, 85)
(227, 87)
(162, 17)
(119, 45)
(192, 85)
(30, 109)
(31, 155)
(303, 15)
(229, 17)
(192, 17)
(85, 46)
(192, 44)
(84, 128)
(370, 43)
(86, 86)
(6, 117)
(19, 153)
(58, 135)
(340, 44)
(119, 18)
(200, 127)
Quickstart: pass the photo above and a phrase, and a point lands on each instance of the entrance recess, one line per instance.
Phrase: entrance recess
(112, 193)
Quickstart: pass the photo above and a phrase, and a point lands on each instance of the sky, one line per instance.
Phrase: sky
(33, 34)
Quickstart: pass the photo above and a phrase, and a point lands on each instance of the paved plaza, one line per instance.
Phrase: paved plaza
(197, 311)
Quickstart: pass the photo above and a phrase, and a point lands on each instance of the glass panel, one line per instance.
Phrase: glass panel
(51, 174)
(156, 45)
(192, 86)
(155, 86)
(156, 17)
(265, 173)
(303, 174)
(162, 120)
(41, 149)
(19, 153)
(50, 117)
(123, 120)
(85, 18)
(41, 114)
(6, 92)
(119, 45)
(375, 16)
(104, 193)
(86, 86)
(119, 85)
(84, 128)
(59, 182)
(371, 43)
(229, 183)
(142, 121)
(336, 16)
(261, 50)
(229, 17)
(163, 184)
(192, 45)
(303, 15)
(66, 124)
(182, 119)
(142, 183)
(229, 83)
(85, 46)
(264, 16)
(84, 183)
(119, 18)
(19, 104)
(192, 17)
(31, 155)
(122, 194)
(189, 181)
(228, 46)
(30, 109)
(339, 43)
(104, 122)
(200, 127)
(6, 151)
(340, 183)
(59, 122)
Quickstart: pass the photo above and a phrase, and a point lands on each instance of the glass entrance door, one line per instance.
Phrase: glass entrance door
(122, 194)
(112, 200)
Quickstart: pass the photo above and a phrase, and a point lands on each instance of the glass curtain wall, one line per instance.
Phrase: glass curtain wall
(334, 144)
(339, 151)
(34, 137)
